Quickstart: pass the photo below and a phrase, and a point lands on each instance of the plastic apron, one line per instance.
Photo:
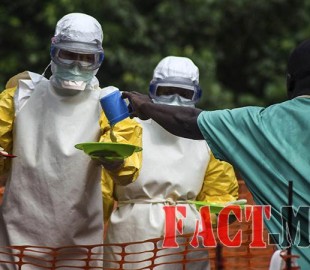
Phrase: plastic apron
(173, 170)
(53, 196)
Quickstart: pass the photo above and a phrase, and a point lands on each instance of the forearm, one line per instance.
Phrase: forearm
(178, 120)
(128, 131)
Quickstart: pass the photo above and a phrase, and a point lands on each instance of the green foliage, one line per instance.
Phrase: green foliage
(241, 46)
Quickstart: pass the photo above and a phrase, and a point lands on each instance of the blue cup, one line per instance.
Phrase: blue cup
(114, 107)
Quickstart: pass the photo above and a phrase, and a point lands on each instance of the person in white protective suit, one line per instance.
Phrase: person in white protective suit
(174, 171)
(53, 194)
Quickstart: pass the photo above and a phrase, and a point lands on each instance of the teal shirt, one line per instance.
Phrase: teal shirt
(268, 146)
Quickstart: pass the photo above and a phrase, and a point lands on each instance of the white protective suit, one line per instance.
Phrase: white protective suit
(53, 196)
(174, 170)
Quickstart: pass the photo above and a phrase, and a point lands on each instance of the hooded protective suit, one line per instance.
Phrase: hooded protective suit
(77, 34)
(52, 195)
(174, 170)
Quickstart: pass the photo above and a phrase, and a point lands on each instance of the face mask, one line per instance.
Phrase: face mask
(71, 78)
(174, 100)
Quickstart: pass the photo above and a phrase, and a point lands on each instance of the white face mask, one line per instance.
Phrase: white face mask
(73, 78)
(174, 100)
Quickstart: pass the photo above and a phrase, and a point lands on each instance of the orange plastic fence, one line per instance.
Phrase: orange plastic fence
(93, 257)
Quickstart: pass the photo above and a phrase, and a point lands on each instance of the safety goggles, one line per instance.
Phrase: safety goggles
(186, 88)
(69, 59)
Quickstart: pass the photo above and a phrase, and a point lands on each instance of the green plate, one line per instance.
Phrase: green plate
(109, 150)
(215, 208)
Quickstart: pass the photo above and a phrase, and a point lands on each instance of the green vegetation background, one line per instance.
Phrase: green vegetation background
(240, 46)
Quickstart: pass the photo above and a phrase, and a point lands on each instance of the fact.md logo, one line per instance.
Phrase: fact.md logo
(175, 216)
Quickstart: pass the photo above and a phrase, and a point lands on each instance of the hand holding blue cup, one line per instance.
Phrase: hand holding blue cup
(114, 106)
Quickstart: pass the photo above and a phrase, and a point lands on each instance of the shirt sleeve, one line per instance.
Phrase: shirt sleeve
(6, 126)
(107, 189)
(127, 131)
(227, 131)
(220, 183)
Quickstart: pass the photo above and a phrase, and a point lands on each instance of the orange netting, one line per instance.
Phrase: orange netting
(92, 257)
(1, 193)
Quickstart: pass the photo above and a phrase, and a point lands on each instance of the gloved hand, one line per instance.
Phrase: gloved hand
(278, 261)
(110, 165)
(2, 152)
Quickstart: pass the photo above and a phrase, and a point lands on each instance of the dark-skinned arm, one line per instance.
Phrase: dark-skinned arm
(178, 120)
